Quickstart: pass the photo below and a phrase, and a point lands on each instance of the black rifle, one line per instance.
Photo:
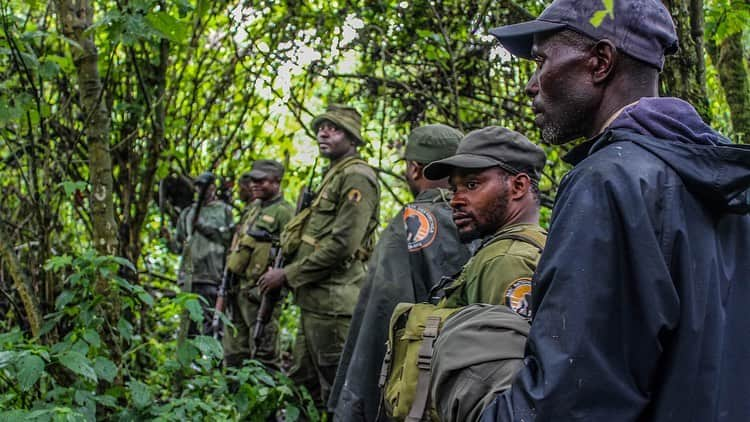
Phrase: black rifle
(227, 280)
(269, 299)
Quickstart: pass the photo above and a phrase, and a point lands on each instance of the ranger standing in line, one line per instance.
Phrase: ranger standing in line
(263, 219)
(326, 247)
(418, 247)
(494, 176)
(207, 237)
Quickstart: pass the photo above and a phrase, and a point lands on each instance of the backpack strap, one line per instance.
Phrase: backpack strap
(418, 407)
(534, 239)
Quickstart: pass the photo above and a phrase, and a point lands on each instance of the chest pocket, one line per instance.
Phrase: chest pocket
(323, 213)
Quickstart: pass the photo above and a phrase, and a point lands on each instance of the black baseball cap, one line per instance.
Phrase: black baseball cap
(206, 178)
(642, 29)
(493, 146)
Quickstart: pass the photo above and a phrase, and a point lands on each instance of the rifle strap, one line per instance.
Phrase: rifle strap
(431, 330)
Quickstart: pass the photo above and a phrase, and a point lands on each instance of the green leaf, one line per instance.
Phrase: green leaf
(209, 346)
(92, 338)
(30, 369)
(291, 413)
(140, 394)
(186, 352)
(63, 299)
(105, 369)
(124, 263)
(598, 18)
(57, 262)
(195, 310)
(78, 363)
(168, 26)
(126, 329)
(7, 358)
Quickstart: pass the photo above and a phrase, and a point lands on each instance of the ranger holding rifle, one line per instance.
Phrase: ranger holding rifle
(204, 231)
(257, 239)
(326, 247)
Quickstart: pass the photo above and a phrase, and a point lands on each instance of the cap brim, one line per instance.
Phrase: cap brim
(442, 168)
(258, 175)
(518, 38)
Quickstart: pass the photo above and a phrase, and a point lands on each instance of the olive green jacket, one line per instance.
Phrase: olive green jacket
(251, 256)
(327, 270)
(501, 270)
(209, 244)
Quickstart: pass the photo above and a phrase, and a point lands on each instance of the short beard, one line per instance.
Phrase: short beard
(495, 218)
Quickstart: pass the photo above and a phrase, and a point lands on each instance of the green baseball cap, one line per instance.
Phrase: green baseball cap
(344, 117)
(264, 169)
(493, 146)
(431, 143)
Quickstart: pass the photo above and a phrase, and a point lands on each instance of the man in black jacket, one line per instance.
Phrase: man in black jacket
(640, 296)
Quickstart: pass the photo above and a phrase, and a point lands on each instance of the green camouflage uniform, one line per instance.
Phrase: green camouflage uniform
(206, 249)
(327, 270)
(249, 260)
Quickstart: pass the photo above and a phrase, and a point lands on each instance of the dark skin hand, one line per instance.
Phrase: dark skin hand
(272, 280)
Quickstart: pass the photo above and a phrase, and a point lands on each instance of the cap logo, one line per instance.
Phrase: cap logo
(518, 297)
(420, 227)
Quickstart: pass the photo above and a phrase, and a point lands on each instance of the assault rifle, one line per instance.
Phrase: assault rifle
(269, 299)
(227, 280)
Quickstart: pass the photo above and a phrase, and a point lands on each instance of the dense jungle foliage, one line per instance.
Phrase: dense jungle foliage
(101, 101)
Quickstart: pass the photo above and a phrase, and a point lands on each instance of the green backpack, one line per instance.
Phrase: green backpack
(405, 374)
(406, 371)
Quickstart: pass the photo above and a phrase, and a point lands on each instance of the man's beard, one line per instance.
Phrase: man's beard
(494, 219)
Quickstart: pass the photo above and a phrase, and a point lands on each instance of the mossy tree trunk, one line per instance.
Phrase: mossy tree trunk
(729, 59)
(684, 74)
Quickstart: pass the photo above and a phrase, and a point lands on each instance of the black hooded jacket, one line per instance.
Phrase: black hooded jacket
(641, 296)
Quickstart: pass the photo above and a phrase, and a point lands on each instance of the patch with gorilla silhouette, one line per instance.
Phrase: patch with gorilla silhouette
(420, 227)
(518, 297)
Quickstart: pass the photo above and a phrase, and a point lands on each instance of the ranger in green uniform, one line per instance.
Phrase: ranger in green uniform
(418, 247)
(263, 219)
(494, 176)
(326, 249)
(203, 247)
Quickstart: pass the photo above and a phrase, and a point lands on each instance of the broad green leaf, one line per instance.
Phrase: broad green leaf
(30, 369)
(126, 329)
(291, 413)
(7, 358)
(92, 338)
(124, 263)
(78, 363)
(186, 352)
(57, 262)
(194, 307)
(63, 299)
(209, 346)
(105, 369)
(140, 394)
(168, 26)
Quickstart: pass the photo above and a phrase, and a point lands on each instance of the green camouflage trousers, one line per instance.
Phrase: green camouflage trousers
(242, 306)
(320, 341)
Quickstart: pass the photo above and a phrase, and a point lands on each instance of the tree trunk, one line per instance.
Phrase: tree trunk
(728, 58)
(75, 17)
(22, 285)
(684, 74)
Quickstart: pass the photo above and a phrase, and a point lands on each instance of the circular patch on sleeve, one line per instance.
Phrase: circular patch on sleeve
(420, 227)
(354, 195)
(518, 297)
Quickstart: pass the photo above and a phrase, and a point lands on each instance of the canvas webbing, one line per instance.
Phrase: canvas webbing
(432, 326)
